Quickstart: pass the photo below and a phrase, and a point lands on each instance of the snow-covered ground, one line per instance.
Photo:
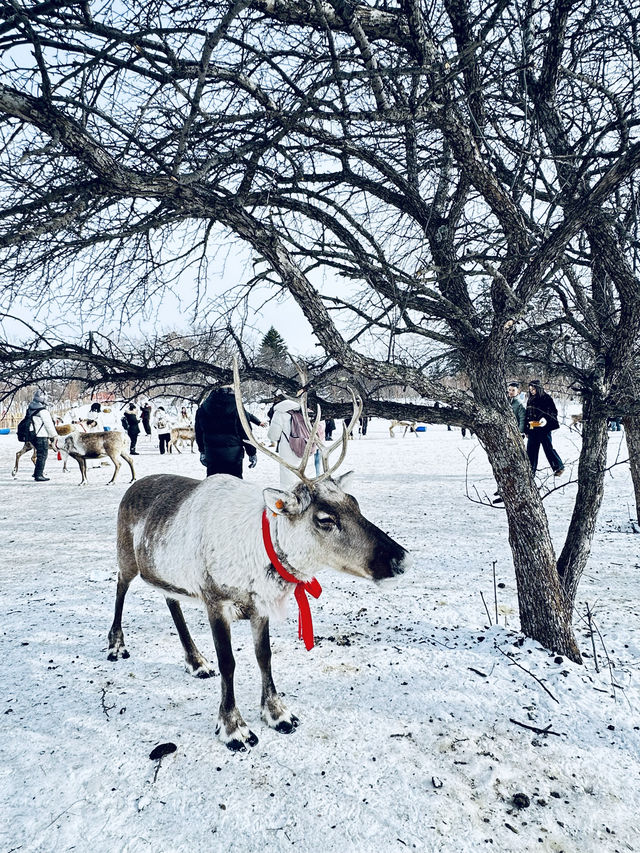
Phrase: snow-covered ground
(410, 703)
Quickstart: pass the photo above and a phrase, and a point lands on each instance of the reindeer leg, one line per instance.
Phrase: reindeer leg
(128, 459)
(116, 465)
(82, 462)
(26, 447)
(117, 647)
(231, 728)
(197, 665)
(274, 711)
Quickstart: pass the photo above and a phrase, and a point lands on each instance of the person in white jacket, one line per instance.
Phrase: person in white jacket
(44, 430)
(279, 432)
(94, 419)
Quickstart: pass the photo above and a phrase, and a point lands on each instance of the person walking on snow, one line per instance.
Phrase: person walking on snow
(44, 430)
(220, 436)
(132, 426)
(145, 417)
(280, 432)
(163, 428)
(513, 390)
(541, 417)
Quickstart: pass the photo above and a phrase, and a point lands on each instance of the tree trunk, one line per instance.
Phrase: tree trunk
(591, 468)
(632, 434)
(545, 614)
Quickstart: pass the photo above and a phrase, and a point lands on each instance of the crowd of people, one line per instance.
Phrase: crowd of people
(222, 443)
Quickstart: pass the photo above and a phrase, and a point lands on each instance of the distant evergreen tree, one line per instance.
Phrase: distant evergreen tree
(273, 344)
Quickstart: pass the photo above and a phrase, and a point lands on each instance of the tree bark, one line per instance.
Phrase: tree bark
(632, 434)
(545, 613)
(591, 469)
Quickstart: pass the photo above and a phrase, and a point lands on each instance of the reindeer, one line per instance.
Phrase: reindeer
(409, 426)
(179, 434)
(94, 445)
(241, 550)
(62, 430)
(576, 423)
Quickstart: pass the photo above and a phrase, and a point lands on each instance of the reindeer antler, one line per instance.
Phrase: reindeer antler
(325, 452)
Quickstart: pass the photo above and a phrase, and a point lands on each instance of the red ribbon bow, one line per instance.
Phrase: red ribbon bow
(305, 622)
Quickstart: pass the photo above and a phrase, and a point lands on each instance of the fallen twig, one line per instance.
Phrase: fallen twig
(486, 608)
(524, 669)
(545, 731)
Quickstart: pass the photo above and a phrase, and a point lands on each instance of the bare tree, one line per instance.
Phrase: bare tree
(457, 175)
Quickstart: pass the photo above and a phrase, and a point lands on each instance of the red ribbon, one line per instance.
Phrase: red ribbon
(305, 622)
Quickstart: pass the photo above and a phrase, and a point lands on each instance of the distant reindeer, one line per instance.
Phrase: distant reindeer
(242, 550)
(576, 423)
(180, 434)
(94, 445)
(62, 430)
(409, 426)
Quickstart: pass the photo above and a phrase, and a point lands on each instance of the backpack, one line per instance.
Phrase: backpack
(299, 434)
(26, 431)
(125, 423)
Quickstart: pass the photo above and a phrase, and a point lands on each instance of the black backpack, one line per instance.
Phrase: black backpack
(26, 431)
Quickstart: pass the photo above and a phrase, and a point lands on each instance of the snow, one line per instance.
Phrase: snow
(407, 703)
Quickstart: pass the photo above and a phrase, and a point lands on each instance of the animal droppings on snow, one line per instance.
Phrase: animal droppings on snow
(161, 750)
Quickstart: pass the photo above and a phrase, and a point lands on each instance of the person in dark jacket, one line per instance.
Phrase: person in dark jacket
(513, 389)
(132, 427)
(220, 436)
(145, 417)
(541, 417)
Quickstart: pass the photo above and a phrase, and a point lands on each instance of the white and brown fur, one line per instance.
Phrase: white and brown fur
(180, 434)
(94, 445)
(202, 539)
(409, 426)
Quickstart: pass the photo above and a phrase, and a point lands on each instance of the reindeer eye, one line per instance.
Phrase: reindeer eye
(325, 522)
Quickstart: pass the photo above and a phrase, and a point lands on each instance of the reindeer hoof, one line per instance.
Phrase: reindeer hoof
(286, 727)
(202, 670)
(241, 738)
(116, 654)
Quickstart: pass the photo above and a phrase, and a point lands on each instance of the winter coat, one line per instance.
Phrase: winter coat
(41, 418)
(279, 431)
(162, 423)
(541, 405)
(43, 424)
(133, 424)
(519, 412)
(99, 422)
(219, 433)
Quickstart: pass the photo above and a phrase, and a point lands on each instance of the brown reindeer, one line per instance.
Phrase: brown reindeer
(576, 423)
(94, 445)
(180, 434)
(242, 550)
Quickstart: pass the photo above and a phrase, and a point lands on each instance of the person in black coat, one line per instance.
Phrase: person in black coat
(541, 418)
(132, 426)
(220, 436)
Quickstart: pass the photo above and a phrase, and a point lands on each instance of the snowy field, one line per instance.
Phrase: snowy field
(410, 703)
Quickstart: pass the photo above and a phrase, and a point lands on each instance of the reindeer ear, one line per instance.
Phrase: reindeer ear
(280, 502)
(344, 480)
